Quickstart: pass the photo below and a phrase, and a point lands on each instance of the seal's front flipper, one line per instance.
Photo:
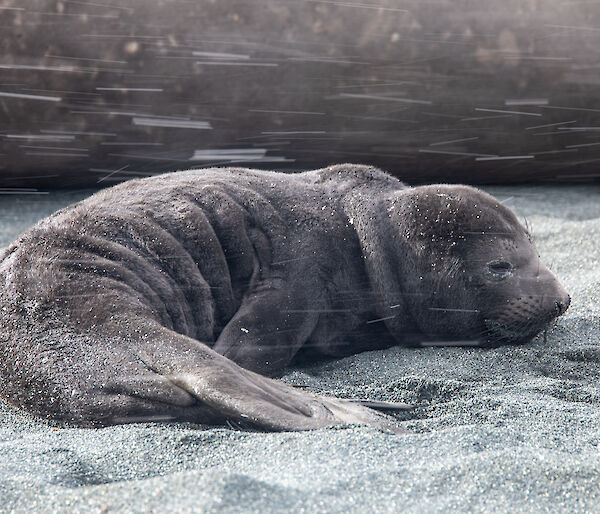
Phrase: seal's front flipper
(268, 329)
(383, 406)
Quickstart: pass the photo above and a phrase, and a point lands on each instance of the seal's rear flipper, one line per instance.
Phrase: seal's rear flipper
(173, 375)
(246, 402)
(243, 396)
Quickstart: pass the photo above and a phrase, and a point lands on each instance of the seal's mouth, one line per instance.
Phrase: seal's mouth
(498, 334)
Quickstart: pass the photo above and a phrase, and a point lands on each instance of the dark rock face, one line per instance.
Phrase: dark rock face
(99, 92)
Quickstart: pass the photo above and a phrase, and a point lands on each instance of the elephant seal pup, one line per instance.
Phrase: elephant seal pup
(164, 298)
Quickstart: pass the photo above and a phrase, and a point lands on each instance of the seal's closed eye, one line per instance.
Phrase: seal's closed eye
(500, 269)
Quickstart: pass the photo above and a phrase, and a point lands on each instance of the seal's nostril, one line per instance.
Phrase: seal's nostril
(563, 305)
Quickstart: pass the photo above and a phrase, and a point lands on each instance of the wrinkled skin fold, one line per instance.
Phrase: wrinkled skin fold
(174, 297)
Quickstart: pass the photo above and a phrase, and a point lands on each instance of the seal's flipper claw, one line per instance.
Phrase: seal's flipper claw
(383, 406)
(351, 413)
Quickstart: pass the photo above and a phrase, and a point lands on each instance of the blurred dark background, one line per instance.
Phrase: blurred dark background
(479, 91)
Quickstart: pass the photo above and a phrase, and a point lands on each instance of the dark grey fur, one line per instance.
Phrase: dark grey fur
(162, 297)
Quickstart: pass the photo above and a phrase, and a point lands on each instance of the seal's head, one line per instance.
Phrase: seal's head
(471, 271)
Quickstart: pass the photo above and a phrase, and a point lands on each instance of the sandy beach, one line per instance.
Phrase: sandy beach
(511, 429)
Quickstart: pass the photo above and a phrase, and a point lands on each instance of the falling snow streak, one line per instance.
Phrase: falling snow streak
(452, 141)
(78, 93)
(160, 122)
(384, 98)
(85, 150)
(359, 5)
(232, 153)
(107, 61)
(38, 137)
(131, 89)
(58, 154)
(486, 118)
(526, 101)
(129, 143)
(107, 6)
(21, 191)
(537, 58)
(564, 108)
(271, 111)
(505, 157)
(62, 69)
(228, 161)
(552, 133)
(240, 63)
(378, 320)
(150, 157)
(37, 67)
(580, 129)
(120, 175)
(583, 145)
(466, 154)
(133, 114)
(550, 152)
(31, 97)
(327, 60)
(508, 112)
(550, 125)
(78, 15)
(292, 132)
(576, 28)
(79, 133)
(221, 55)
(111, 173)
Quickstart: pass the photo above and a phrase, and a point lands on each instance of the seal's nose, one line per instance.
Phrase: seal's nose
(563, 305)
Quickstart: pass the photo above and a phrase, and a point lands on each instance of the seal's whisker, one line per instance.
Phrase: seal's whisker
(468, 342)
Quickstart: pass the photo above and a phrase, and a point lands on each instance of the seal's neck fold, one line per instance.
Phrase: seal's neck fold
(368, 213)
